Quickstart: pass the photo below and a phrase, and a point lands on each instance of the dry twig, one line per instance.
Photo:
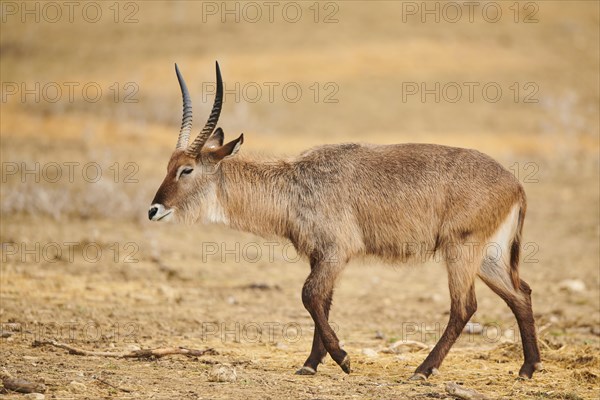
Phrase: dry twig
(412, 345)
(461, 392)
(23, 386)
(141, 354)
(111, 385)
(11, 383)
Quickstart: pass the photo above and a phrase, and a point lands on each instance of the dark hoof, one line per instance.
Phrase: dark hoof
(345, 364)
(527, 370)
(418, 377)
(306, 371)
(423, 373)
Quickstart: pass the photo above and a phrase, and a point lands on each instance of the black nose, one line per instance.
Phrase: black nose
(152, 212)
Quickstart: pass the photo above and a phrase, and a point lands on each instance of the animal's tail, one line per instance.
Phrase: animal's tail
(515, 249)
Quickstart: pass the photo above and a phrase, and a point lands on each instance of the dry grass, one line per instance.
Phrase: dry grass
(157, 286)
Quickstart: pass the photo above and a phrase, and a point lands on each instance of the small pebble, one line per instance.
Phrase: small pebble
(369, 352)
(430, 298)
(222, 373)
(34, 396)
(572, 285)
(77, 387)
(281, 346)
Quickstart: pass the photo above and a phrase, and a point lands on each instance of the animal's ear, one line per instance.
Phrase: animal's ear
(227, 150)
(215, 140)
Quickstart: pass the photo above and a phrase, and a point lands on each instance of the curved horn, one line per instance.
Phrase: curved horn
(186, 121)
(203, 136)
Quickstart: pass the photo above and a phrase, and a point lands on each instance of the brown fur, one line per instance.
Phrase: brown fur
(375, 199)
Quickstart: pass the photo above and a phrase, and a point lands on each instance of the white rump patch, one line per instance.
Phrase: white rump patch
(499, 245)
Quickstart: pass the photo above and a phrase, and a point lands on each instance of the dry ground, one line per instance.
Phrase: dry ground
(209, 287)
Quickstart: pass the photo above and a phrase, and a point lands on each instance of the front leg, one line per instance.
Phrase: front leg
(317, 296)
(318, 351)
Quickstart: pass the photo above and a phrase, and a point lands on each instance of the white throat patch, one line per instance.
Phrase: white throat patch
(213, 211)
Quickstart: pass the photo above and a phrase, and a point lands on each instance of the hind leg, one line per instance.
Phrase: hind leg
(461, 277)
(497, 277)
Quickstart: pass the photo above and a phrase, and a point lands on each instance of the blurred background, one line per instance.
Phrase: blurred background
(99, 90)
(91, 110)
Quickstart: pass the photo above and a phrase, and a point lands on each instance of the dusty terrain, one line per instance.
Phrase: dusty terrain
(82, 265)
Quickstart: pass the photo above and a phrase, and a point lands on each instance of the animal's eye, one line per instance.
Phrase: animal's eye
(186, 171)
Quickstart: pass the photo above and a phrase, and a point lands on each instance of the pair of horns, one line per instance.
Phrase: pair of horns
(186, 121)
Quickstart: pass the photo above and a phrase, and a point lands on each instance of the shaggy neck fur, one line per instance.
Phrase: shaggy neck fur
(253, 196)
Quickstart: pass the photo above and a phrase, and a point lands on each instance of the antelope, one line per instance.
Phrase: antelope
(338, 202)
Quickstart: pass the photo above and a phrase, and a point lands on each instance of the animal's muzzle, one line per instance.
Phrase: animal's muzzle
(157, 211)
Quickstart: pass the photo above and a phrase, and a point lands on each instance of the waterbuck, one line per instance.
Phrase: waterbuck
(398, 202)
